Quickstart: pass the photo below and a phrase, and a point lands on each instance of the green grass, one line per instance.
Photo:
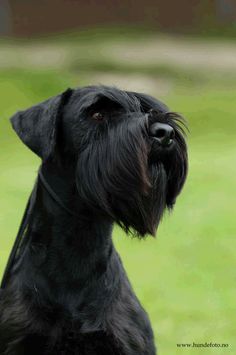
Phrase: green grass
(185, 278)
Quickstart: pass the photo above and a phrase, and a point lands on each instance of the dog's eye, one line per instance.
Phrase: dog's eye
(97, 116)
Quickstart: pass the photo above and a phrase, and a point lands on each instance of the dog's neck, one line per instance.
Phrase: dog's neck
(72, 248)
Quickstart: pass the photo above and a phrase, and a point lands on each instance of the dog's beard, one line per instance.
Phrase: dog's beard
(114, 175)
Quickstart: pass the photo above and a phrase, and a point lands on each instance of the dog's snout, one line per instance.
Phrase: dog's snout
(163, 133)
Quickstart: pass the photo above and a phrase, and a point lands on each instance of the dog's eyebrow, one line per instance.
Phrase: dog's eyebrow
(104, 102)
(91, 99)
(126, 100)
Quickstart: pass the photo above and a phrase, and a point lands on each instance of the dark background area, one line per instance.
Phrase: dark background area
(31, 17)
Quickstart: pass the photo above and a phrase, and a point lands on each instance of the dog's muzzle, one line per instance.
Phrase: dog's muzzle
(162, 133)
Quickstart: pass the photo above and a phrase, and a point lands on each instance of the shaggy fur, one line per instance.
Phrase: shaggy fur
(68, 292)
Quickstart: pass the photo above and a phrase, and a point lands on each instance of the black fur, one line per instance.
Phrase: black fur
(69, 293)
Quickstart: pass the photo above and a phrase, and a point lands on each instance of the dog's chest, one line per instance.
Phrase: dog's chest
(94, 343)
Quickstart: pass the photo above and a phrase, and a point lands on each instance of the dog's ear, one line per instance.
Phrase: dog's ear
(37, 126)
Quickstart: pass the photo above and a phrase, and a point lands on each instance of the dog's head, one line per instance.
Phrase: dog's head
(128, 150)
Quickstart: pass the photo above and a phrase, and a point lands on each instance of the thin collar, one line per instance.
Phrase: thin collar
(53, 194)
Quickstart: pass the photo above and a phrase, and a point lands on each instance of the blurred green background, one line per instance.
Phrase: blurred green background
(185, 278)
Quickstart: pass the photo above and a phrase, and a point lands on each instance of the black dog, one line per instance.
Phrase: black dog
(107, 156)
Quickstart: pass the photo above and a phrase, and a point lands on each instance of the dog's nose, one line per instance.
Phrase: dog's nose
(163, 133)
